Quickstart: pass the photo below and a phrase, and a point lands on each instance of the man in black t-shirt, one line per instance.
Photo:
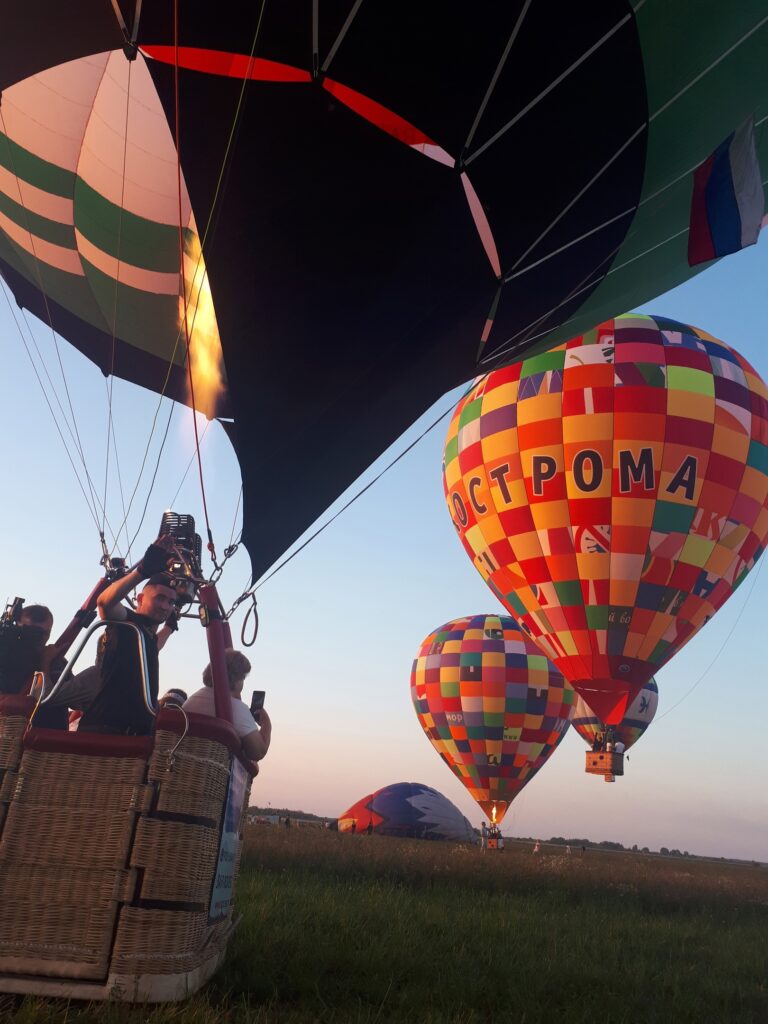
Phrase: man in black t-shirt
(119, 707)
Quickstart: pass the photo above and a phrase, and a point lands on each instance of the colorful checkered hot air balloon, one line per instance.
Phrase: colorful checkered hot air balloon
(628, 731)
(613, 492)
(491, 704)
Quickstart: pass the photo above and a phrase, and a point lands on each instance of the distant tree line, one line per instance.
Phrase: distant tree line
(286, 812)
(619, 847)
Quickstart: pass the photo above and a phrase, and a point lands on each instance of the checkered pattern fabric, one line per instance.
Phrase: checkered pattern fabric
(491, 704)
(639, 716)
(614, 493)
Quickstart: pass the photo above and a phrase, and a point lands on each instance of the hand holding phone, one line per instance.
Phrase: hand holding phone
(257, 703)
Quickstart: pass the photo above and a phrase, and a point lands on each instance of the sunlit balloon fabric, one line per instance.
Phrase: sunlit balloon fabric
(409, 810)
(491, 705)
(387, 195)
(612, 492)
(639, 716)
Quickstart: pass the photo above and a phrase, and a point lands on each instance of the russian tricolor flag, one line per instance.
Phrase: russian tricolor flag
(728, 202)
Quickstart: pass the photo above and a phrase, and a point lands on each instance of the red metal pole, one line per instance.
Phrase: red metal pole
(82, 618)
(217, 631)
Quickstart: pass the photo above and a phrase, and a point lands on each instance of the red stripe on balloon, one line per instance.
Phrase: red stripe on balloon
(229, 65)
(378, 115)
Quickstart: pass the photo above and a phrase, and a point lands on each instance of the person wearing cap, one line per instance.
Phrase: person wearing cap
(119, 707)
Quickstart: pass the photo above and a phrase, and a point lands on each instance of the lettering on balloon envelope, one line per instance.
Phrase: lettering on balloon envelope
(613, 492)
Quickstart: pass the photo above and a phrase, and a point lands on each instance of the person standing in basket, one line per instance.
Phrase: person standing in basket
(119, 708)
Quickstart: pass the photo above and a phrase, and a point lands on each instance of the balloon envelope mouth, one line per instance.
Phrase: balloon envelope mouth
(494, 810)
(607, 698)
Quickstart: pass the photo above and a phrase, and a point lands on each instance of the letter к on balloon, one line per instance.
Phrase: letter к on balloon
(614, 494)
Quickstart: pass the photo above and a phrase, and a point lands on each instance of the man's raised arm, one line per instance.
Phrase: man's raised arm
(155, 560)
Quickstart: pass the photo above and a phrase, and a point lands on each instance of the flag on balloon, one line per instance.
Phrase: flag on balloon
(728, 202)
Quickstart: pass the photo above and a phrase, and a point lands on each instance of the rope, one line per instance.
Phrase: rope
(187, 328)
(189, 466)
(712, 663)
(50, 409)
(109, 381)
(182, 286)
(250, 591)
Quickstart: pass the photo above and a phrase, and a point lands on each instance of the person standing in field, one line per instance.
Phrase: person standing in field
(536, 846)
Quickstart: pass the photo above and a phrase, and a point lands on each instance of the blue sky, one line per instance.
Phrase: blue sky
(342, 622)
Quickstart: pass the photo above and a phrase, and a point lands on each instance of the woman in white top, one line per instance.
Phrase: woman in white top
(254, 738)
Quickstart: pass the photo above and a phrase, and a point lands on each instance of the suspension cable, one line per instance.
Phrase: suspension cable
(250, 591)
(722, 647)
(50, 409)
(109, 381)
(190, 328)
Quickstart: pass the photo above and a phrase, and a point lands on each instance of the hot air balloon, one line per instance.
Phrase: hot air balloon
(370, 224)
(491, 704)
(628, 731)
(639, 715)
(613, 492)
(323, 175)
(408, 810)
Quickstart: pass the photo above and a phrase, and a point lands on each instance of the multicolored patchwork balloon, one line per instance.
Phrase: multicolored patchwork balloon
(613, 492)
(639, 716)
(491, 704)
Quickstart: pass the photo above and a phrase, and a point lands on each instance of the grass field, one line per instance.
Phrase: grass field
(366, 929)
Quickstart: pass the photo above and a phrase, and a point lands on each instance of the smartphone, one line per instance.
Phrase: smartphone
(257, 703)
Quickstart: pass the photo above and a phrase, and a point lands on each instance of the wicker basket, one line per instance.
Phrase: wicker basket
(107, 865)
(178, 860)
(604, 762)
(164, 941)
(11, 731)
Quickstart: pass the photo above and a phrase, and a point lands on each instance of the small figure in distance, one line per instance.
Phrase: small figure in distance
(118, 708)
(536, 846)
(483, 834)
(353, 829)
(369, 829)
(287, 821)
(598, 742)
(255, 739)
(619, 747)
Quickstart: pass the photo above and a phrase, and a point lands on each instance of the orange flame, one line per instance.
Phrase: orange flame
(493, 814)
(204, 342)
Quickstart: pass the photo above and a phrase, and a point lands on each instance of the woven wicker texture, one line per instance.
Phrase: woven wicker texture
(69, 938)
(57, 836)
(11, 731)
(163, 941)
(46, 885)
(56, 793)
(83, 770)
(179, 860)
(198, 768)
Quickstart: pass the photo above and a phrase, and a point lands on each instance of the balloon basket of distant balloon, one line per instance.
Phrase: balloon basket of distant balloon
(607, 763)
(118, 856)
(495, 840)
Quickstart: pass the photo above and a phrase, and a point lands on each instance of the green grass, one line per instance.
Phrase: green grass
(366, 929)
